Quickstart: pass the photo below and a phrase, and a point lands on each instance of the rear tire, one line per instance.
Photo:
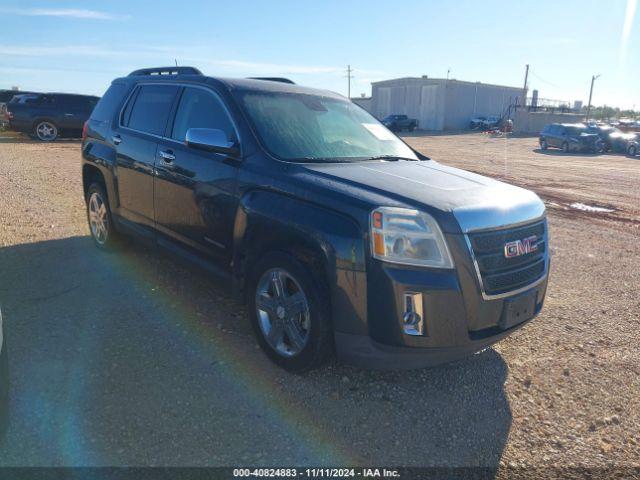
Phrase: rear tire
(101, 226)
(565, 147)
(293, 328)
(45, 131)
(544, 145)
(632, 150)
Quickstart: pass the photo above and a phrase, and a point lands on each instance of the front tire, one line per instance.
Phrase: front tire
(289, 313)
(99, 217)
(544, 145)
(565, 147)
(45, 131)
(632, 150)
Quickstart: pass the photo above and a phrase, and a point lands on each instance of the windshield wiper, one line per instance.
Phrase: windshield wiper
(392, 158)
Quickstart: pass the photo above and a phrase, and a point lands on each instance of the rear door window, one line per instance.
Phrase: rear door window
(200, 108)
(151, 108)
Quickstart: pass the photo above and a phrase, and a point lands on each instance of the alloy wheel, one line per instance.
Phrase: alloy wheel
(283, 312)
(46, 131)
(98, 221)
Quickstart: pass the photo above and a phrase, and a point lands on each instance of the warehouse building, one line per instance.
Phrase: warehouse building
(442, 104)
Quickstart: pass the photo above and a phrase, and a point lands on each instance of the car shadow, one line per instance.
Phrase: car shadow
(22, 139)
(132, 358)
(560, 153)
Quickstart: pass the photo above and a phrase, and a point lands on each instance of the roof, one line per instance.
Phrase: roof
(425, 79)
(59, 93)
(249, 84)
(240, 84)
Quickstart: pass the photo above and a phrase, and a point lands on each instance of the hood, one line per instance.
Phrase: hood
(476, 202)
(623, 136)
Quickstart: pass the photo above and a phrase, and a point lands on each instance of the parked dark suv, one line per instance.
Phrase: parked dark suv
(613, 140)
(337, 234)
(397, 123)
(570, 138)
(49, 115)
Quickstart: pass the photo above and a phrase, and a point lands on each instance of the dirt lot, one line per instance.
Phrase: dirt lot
(134, 359)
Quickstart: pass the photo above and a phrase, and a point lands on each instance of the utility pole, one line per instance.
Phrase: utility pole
(524, 89)
(349, 77)
(448, 71)
(593, 79)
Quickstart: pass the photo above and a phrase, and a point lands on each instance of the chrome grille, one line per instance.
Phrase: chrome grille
(499, 275)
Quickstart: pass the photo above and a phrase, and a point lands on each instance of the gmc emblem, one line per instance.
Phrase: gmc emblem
(520, 247)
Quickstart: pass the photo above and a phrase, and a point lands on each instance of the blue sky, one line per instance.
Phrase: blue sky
(80, 46)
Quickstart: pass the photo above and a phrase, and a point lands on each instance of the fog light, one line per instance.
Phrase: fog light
(413, 323)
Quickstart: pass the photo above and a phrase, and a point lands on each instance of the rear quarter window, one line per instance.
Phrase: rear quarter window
(111, 100)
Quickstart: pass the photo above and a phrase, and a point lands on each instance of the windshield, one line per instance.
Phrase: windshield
(301, 127)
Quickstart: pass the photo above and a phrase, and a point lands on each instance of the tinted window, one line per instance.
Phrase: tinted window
(25, 99)
(200, 109)
(77, 102)
(109, 102)
(151, 108)
(575, 130)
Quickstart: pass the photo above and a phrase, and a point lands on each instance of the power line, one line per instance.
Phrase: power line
(543, 80)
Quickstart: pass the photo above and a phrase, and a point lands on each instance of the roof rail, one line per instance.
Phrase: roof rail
(274, 79)
(166, 71)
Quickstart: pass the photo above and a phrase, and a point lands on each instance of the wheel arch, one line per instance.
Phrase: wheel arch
(325, 241)
(93, 173)
(37, 120)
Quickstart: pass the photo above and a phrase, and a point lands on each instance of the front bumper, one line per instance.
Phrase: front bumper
(458, 317)
(362, 351)
(451, 333)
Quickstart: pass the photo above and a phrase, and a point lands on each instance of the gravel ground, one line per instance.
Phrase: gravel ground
(134, 359)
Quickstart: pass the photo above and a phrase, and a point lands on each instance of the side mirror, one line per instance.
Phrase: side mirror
(211, 140)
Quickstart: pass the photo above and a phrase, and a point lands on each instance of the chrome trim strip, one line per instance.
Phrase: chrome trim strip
(213, 242)
(495, 217)
(511, 293)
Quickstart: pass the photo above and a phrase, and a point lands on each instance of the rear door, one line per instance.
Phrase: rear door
(195, 200)
(142, 123)
(554, 136)
(66, 109)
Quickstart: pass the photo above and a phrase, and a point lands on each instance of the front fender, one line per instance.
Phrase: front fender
(329, 242)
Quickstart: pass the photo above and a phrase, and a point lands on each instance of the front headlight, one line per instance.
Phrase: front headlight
(409, 237)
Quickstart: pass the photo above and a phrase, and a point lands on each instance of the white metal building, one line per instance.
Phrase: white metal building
(441, 104)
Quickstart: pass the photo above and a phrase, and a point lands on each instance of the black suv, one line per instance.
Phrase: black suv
(46, 116)
(570, 138)
(338, 235)
(397, 123)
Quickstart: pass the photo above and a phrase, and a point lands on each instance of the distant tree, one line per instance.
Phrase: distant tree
(605, 112)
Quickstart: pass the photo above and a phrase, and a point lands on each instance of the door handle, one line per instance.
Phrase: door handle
(167, 156)
(68, 114)
(116, 139)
